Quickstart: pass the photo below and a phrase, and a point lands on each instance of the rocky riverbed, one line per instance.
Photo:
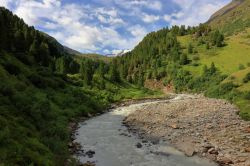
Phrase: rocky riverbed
(106, 141)
(196, 125)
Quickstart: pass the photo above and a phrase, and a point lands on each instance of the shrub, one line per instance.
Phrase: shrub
(248, 64)
(196, 58)
(12, 69)
(232, 77)
(7, 90)
(241, 67)
(196, 64)
(247, 95)
(221, 90)
(246, 78)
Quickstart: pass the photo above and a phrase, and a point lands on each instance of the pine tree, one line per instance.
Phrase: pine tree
(34, 49)
(101, 70)
(87, 72)
(114, 74)
(219, 40)
(190, 48)
(212, 68)
(44, 54)
(184, 59)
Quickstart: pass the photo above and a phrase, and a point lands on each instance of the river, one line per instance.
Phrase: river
(113, 145)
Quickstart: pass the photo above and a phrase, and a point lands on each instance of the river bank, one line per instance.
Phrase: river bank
(197, 125)
(106, 141)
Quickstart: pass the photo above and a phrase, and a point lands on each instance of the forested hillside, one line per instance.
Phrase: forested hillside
(42, 89)
(193, 59)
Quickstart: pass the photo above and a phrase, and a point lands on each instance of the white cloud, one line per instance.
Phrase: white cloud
(137, 30)
(154, 5)
(91, 28)
(150, 18)
(5, 3)
(193, 12)
(67, 24)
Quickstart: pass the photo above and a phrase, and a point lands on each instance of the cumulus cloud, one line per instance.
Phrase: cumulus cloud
(153, 5)
(67, 23)
(150, 18)
(108, 26)
(193, 12)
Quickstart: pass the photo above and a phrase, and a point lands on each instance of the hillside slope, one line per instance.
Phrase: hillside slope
(42, 89)
(197, 59)
(232, 18)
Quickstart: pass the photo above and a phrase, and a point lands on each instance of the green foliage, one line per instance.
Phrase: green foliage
(114, 74)
(184, 59)
(41, 92)
(241, 67)
(217, 39)
(246, 78)
(190, 48)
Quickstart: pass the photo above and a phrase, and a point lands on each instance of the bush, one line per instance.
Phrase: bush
(196, 58)
(232, 77)
(248, 64)
(241, 67)
(246, 78)
(12, 69)
(7, 90)
(247, 95)
(221, 90)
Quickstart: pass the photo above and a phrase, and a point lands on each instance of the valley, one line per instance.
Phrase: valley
(45, 87)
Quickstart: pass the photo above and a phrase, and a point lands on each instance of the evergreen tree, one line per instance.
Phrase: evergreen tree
(114, 74)
(212, 68)
(101, 70)
(207, 46)
(34, 49)
(190, 48)
(184, 59)
(44, 54)
(19, 41)
(219, 40)
(87, 72)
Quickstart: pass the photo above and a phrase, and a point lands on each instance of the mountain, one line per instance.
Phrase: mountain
(234, 17)
(211, 58)
(43, 89)
(96, 57)
(71, 51)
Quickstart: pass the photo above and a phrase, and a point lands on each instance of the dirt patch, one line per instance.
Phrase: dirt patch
(207, 127)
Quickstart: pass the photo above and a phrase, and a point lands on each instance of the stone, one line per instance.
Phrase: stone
(247, 130)
(247, 149)
(224, 161)
(241, 159)
(174, 126)
(212, 151)
(139, 145)
(90, 153)
(207, 145)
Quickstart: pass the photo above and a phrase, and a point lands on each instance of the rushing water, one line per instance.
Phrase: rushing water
(114, 146)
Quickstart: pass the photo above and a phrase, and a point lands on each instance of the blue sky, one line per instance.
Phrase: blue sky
(108, 26)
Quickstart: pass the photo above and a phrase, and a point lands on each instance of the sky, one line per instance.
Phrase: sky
(109, 26)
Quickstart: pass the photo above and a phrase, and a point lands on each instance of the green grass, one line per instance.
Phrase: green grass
(237, 78)
(227, 59)
(244, 106)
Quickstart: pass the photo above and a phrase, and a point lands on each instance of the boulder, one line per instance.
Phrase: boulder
(139, 145)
